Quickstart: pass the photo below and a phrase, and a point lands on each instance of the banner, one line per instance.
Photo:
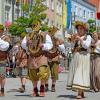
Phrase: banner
(64, 14)
(68, 14)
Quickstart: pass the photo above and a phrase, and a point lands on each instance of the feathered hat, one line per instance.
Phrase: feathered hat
(36, 24)
(80, 23)
(52, 30)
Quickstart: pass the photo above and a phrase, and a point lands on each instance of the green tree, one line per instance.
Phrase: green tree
(37, 13)
(18, 28)
(92, 25)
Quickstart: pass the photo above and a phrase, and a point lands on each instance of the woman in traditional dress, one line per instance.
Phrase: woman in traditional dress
(79, 71)
(95, 63)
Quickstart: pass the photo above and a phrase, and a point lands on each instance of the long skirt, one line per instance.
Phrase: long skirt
(95, 72)
(79, 73)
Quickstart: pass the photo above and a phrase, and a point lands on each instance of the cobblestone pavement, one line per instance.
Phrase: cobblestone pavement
(61, 93)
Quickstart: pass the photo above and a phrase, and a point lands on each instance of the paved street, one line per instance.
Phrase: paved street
(60, 94)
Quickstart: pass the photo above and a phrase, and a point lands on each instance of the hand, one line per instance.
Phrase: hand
(17, 62)
(41, 45)
(57, 43)
(93, 45)
(78, 37)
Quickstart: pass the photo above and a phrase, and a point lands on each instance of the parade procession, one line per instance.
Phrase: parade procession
(49, 49)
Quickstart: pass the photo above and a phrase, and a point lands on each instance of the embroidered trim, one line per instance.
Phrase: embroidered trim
(80, 87)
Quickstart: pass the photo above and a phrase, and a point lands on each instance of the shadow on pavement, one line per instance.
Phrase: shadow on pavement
(26, 95)
(67, 96)
(12, 90)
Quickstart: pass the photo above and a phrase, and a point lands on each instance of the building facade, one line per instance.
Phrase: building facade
(9, 11)
(82, 10)
(96, 3)
(2, 14)
(54, 13)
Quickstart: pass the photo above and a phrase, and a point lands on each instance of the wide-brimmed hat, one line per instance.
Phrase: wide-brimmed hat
(94, 33)
(36, 25)
(1, 27)
(80, 23)
(59, 35)
(52, 30)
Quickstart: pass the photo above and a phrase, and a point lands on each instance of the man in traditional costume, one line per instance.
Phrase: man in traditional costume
(38, 44)
(4, 46)
(79, 70)
(54, 55)
(21, 66)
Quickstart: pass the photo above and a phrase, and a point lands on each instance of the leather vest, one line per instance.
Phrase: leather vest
(3, 55)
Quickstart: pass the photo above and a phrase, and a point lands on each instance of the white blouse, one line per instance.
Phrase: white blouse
(4, 45)
(48, 43)
(46, 46)
(62, 48)
(87, 42)
(97, 50)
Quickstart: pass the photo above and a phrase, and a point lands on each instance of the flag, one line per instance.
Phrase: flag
(68, 13)
(64, 17)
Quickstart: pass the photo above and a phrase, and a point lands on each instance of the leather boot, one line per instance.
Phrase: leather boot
(42, 91)
(35, 92)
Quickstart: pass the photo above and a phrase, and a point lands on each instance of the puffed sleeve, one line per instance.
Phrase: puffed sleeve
(86, 43)
(24, 44)
(48, 43)
(62, 48)
(98, 47)
(4, 45)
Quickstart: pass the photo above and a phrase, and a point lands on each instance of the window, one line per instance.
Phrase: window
(60, 27)
(52, 22)
(80, 12)
(47, 3)
(59, 8)
(92, 15)
(88, 14)
(76, 10)
(57, 24)
(6, 15)
(9, 1)
(84, 13)
(52, 4)
(47, 20)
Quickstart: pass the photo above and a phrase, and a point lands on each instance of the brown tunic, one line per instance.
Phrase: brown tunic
(36, 62)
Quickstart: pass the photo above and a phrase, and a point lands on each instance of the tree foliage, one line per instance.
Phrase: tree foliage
(19, 27)
(92, 25)
(37, 13)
